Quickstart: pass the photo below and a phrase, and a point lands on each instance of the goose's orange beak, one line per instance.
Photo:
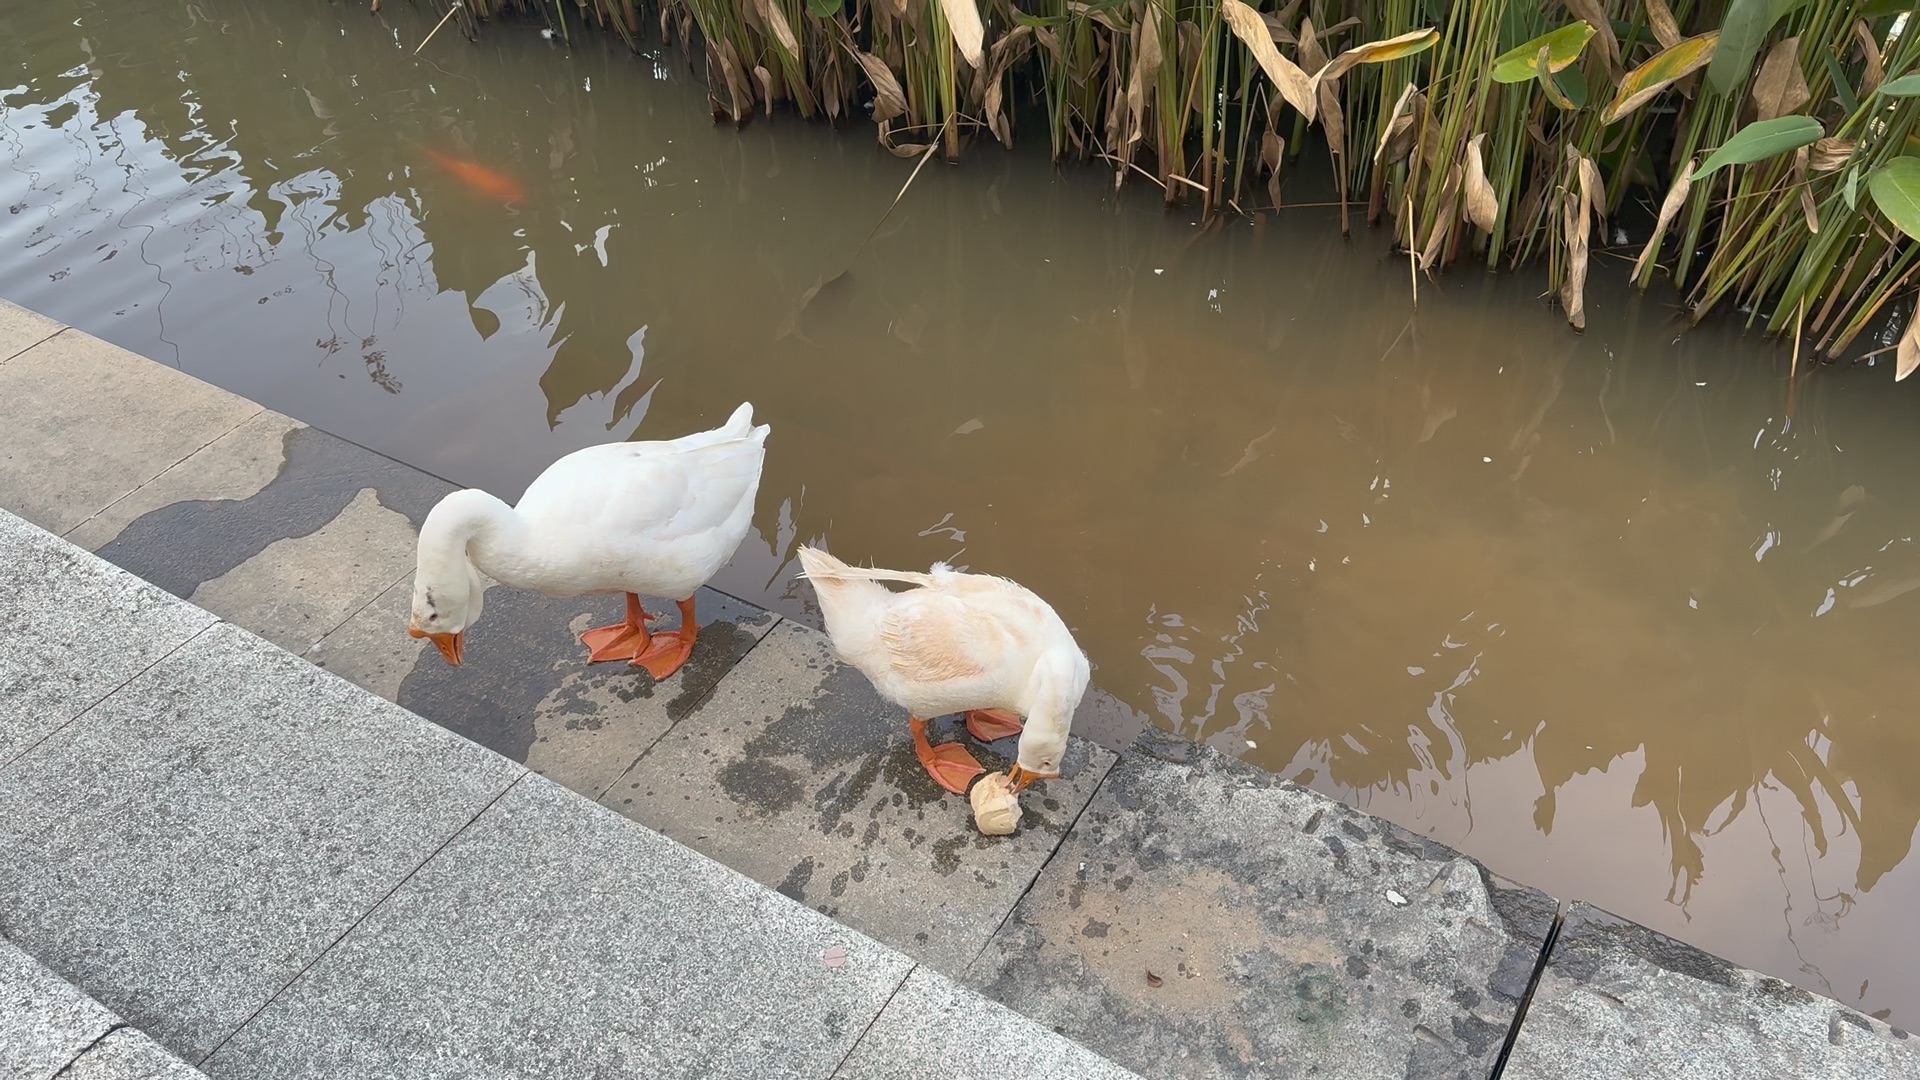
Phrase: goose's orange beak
(1018, 778)
(451, 646)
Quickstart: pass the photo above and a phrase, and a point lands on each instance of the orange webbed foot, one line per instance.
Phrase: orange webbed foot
(669, 649)
(990, 724)
(622, 640)
(949, 763)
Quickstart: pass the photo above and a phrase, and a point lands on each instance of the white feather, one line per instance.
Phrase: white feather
(955, 643)
(655, 518)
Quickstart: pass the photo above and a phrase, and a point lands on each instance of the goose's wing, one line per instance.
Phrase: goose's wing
(652, 489)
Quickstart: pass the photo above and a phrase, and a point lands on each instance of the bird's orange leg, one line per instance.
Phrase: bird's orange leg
(622, 640)
(990, 724)
(949, 763)
(670, 648)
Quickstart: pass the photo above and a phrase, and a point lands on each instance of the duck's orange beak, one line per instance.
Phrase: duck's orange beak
(1018, 778)
(451, 646)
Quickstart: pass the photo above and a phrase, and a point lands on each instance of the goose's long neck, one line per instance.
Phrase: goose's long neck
(472, 528)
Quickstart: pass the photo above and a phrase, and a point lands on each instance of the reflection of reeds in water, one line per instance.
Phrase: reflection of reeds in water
(1498, 129)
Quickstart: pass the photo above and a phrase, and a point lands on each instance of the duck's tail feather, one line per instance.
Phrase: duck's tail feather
(817, 565)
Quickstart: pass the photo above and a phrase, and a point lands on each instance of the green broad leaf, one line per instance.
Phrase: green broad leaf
(1904, 86)
(1849, 100)
(1895, 188)
(1742, 32)
(824, 9)
(1762, 140)
(1852, 189)
(1564, 46)
(1573, 85)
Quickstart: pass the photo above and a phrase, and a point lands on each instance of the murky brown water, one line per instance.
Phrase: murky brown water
(1620, 614)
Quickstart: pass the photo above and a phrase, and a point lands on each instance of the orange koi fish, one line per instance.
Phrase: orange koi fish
(478, 177)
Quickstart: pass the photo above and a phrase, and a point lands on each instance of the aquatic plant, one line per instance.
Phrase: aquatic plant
(1782, 132)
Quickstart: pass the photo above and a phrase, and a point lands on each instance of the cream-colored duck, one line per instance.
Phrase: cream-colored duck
(658, 518)
(958, 643)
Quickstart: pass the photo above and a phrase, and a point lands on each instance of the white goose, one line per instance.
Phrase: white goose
(959, 643)
(636, 517)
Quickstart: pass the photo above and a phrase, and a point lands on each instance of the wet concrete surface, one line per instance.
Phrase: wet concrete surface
(798, 774)
(1618, 1001)
(1208, 919)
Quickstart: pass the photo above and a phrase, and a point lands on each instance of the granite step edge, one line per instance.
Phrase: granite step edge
(53, 1030)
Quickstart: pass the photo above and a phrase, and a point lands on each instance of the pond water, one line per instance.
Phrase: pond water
(1627, 614)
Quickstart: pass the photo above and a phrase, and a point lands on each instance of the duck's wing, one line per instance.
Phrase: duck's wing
(933, 636)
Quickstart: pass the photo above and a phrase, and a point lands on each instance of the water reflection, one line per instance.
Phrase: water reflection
(1616, 613)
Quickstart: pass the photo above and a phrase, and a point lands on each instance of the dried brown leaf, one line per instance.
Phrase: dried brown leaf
(1442, 221)
(1334, 121)
(740, 98)
(963, 18)
(1048, 41)
(1247, 25)
(1482, 205)
(776, 21)
(1397, 121)
(1670, 66)
(1379, 52)
(1669, 209)
(1780, 88)
(1312, 57)
(1273, 154)
(1189, 34)
(765, 78)
(1660, 17)
(1575, 223)
(1908, 356)
(888, 99)
(1807, 207)
(1154, 980)
(1831, 153)
(1595, 15)
(1277, 30)
(1870, 51)
(1146, 69)
(1593, 192)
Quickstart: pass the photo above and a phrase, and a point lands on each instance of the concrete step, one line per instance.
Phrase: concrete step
(276, 874)
(50, 1029)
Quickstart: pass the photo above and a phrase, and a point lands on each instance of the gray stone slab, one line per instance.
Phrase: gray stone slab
(21, 330)
(526, 690)
(89, 422)
(277, 527)
(796, 773)
(127, 1054)
(44, 1021)
(936, 1029)
(1207, 919)
(232, 468)
(187, 846)
(554, 939)
(72, 628)
(1618, 1001)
